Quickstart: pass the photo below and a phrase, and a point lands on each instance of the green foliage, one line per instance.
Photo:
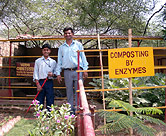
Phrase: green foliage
(164, 33)
(163, 15)
(118, 122)
(57, 121)
(49, 17)
(145, 97)
(107, 16)
(39, 17)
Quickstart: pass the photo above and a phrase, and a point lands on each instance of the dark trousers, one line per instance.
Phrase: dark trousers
(47, 91)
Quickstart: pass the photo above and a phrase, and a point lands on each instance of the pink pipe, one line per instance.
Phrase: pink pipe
(87, 121)
(138, 43)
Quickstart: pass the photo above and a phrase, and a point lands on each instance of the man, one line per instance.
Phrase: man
(67, 60)
(45, 68)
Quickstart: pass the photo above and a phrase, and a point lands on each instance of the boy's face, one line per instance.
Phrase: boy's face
(46, 52)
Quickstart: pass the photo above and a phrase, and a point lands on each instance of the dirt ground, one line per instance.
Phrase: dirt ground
(18, 111)
(7, 113)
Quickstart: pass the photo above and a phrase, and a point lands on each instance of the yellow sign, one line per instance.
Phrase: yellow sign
(131, 62)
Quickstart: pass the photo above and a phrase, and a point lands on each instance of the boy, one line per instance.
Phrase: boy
(45, 68)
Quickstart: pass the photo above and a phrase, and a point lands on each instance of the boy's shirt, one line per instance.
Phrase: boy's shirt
(42, 67)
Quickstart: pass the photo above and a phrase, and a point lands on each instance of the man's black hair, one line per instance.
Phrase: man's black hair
(46, 46)
(68, 28)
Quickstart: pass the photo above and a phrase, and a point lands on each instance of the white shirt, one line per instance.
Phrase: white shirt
(67, 56)
(42, 67)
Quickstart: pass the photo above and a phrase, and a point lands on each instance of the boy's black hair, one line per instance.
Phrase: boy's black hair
(46, 46)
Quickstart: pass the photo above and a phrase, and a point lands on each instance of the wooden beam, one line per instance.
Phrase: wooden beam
(57, 37)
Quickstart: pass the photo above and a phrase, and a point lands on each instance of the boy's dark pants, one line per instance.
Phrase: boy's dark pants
(47, 91)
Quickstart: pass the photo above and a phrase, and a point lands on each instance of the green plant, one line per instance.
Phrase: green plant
(118, 122)
(110, 84)
(141, 97)
(164, 33)
(155, 96)
(56, 121)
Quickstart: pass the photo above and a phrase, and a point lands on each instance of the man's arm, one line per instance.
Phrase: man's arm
(59, 78)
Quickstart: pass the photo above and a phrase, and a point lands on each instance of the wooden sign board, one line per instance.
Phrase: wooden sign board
(131, 62)
(24, 69)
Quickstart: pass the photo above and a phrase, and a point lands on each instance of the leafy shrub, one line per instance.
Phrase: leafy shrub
(141, 97)
(121, 122)
(55, 122)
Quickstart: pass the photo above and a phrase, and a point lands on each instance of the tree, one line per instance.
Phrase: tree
(41, 16)
(49, 17)
(113, 17)
(3, 6)
(164, 22)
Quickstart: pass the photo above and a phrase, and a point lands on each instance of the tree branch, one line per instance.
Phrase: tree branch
(150, 19)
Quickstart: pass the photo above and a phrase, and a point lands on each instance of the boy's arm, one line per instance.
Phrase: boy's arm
(35, 72)
(38, 85)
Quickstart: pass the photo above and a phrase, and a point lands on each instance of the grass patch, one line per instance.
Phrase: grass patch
(22, 127)
(5, 120)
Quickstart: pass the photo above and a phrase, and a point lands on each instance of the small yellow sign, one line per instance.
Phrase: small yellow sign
(24, 69)
(131, 62)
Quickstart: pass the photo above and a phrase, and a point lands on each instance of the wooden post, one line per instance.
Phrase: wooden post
(130, 79)
(102, 75)
(9, 81)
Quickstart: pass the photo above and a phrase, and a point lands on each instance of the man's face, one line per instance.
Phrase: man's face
(68, 35)
(46, 52)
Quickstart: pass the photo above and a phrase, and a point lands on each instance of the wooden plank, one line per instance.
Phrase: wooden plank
(21, 83)
(58, 37)
(15, 102)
